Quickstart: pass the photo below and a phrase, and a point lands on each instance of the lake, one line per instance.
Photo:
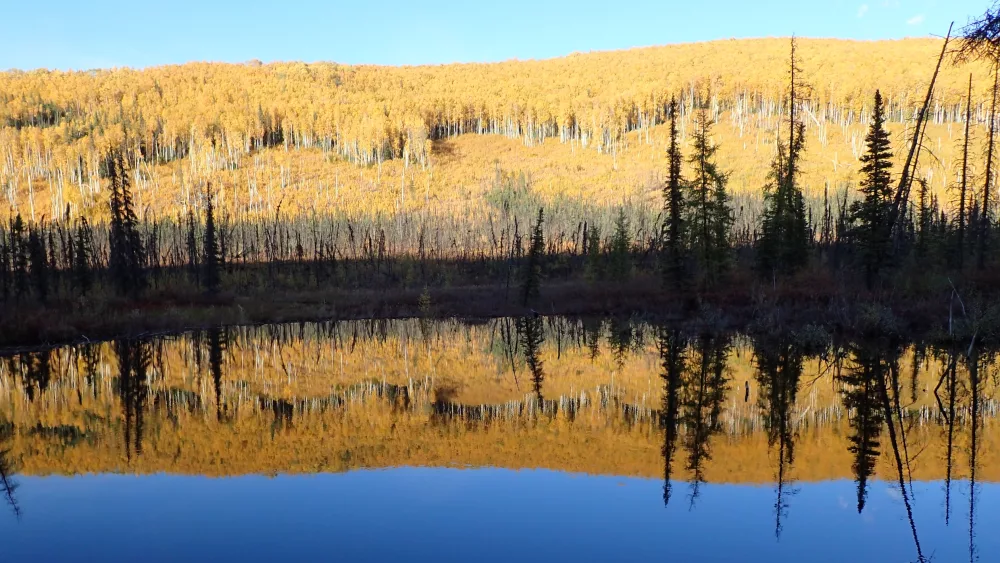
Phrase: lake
(507, 439)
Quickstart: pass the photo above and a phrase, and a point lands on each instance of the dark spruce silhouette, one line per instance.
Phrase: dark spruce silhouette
(672, 360)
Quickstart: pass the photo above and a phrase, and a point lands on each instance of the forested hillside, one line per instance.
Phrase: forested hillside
(366, 139)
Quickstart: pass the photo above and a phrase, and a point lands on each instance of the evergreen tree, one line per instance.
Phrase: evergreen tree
(84, 249)
(19, 256)
(39, 264)
(211, 247)
(191, 245)
(783, 246)
(871, 214)
(673, 202)
(127, 257)
(533, 267)
(5, 277)
(925, 220)
(594, 267)
(621, 260)
(709, 217)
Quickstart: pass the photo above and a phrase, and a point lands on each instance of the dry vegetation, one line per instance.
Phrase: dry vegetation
(365, 140)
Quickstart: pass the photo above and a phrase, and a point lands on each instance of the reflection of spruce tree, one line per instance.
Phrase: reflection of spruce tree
(592, 329)
(216, 345)
(531, 336)
(35, 369)
(861, 394)
(620, 338)
(779, 368)
(975, 411)
(671, 348)
(891, 360)
(134, 357)
(950, 380)
(7, 484)
(704, 392)
(532, 276)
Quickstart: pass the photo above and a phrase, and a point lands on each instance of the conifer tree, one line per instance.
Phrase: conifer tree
(19, 256)
(595, 269)
(925, 220)
(127, 257)
(533, 267)
(783, 246)
(673, 202)
(709, 217)
(83, 251)
(191, 245)
(621, 261)
(39, 264)
(5, 277)
(871, 214)
(211, 245)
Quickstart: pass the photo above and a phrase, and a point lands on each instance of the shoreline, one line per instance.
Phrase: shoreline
(747, 308)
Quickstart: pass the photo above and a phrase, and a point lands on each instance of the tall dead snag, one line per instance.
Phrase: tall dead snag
(910, 165)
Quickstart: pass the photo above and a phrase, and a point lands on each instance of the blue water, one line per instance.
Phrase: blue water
(427, 514)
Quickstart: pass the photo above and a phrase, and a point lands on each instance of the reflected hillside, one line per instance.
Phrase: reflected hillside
(603, 397)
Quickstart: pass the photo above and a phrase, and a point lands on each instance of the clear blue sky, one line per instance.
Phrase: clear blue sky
(82, 34)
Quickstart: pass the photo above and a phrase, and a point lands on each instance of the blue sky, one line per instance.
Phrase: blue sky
(75, 34)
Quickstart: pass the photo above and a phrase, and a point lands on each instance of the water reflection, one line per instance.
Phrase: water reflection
(599, 397)
(8, 485)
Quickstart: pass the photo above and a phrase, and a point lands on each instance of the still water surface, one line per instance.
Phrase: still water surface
(531, 439)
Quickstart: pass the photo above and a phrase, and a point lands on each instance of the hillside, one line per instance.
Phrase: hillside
(361, 140)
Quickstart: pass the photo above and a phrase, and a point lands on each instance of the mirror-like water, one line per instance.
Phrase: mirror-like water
(515, 438)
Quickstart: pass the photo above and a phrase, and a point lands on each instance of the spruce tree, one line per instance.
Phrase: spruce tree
(19, 256)
(871, 214)
(925, 220)
(39, 264)
(673, 203)
(210, 257)
(84, 249)
(127, 257)
(5, 277)
(191, 246)
(709, 217)
(531, 281)
(785, 237)
(783, 246)
(594, 267)
(621, 260)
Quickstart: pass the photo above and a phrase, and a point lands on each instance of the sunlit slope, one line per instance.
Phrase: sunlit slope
(371, 395)
(366, 139)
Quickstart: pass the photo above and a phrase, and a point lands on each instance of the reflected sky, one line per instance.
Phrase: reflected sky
(453, 514)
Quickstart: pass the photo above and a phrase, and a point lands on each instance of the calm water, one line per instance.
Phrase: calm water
(535, 439)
